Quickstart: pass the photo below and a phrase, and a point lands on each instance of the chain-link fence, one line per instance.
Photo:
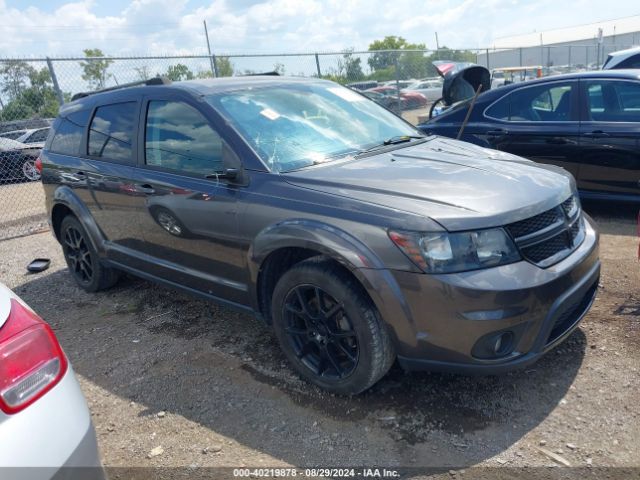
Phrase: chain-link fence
(404, 81)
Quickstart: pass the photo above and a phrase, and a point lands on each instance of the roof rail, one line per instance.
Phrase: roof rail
(150, 81)
(273, 74)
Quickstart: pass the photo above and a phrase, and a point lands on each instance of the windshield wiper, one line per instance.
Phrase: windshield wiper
(392, 141)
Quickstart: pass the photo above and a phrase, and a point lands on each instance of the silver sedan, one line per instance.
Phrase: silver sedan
(45, 425)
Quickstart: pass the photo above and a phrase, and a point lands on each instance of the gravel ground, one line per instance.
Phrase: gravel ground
(176, 382)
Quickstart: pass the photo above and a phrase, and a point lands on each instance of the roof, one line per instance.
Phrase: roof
(207, 86)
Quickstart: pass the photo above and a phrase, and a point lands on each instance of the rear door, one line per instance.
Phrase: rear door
(538, 122)
(188, 216)
(96, 151)
(610, 137)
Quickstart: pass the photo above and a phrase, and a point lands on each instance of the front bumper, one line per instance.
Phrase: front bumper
(447, 316)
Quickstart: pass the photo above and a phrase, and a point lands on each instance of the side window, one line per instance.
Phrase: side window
(613, 101)
(178, 137)
(500, 109)
(112, 130)
(542, 103)
(68, 135)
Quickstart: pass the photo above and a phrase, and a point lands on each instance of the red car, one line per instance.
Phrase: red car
(408, 99)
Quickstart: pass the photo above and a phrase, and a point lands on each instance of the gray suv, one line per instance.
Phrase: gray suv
(360, 240)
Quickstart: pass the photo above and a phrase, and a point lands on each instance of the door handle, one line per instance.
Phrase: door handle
(80, 174)
(497, 132)
(596, 134)
(145, 188)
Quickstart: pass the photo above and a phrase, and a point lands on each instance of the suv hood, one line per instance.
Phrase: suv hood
(459, 185)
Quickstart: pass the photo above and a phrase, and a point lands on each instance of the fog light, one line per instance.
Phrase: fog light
(503, 343)
(497, 344)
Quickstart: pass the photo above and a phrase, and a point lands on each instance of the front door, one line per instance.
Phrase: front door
(189, 216)
(610, 138)
(539, 122)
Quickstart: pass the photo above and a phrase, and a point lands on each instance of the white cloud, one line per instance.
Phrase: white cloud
(174, 26)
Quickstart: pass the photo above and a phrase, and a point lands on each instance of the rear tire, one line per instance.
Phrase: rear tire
(343, 346)
(29, 171)
(82, 259)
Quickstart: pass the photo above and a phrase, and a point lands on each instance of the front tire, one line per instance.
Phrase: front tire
(82, 259)
(328, 328)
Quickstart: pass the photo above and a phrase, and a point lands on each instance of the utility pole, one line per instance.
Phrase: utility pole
(211, 60)
(437, 47)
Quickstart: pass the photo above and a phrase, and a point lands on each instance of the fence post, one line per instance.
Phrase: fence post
(318, 66)
(569, 59)
(214, 64)
(54, 79)
(520, 55)
(586, 62)
(398, 85)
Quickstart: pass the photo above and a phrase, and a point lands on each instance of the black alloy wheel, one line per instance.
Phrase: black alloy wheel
(320, 332)
(328, 327)
(82, 259)
(78, 256)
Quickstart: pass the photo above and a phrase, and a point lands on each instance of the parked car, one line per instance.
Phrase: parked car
(332, 219)
(431, 89)
(32, 136)
(399, 83)
(390, 102)
(587, 123)
(622, 59)
(508, 75)
(17, 161)
(363, 85)
(45, 425)
(409, 99)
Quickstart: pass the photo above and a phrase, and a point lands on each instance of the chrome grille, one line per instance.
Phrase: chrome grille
(550, 236)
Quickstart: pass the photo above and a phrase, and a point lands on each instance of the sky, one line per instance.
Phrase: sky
(35, 28)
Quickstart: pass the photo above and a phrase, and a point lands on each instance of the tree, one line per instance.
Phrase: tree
(179, 72)
(411, 64)
(143, 72)
(224, 67)
(448, 54)
(350, 66)
(14, 74)
(95, 71)
(35, 99)
(279, 68)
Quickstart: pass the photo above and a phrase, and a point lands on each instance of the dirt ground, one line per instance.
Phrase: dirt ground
(176, 382)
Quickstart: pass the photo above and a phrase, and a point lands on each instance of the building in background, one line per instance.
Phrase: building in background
(583, 47)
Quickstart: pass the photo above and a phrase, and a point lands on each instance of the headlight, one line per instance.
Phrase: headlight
(444, 252)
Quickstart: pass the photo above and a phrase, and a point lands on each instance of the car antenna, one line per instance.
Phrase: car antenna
(466, 118)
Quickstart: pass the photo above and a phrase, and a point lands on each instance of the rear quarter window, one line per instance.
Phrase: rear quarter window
(67, 137)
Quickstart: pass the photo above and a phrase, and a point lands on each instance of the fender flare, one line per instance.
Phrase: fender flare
(66, 196)
(342, 247)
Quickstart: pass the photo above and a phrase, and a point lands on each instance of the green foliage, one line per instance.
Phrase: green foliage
(224, 67)
(14, 75)
(204, 74)
(30, 92)
(349, 69)
(95, 71)
(446, 53)
(410, 64)
(179, 72)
